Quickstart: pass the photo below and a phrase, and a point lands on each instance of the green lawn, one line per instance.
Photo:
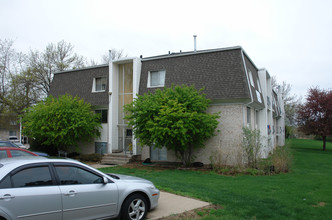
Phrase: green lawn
(303, 193)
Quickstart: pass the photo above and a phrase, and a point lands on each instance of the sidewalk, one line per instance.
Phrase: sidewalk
(170, 204)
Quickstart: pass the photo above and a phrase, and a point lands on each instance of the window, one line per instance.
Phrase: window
(99, 84)
(19, 153)
(12, 133)
(258, 94)
(32, 177)
(103, 115)
(251, 78)
(259, 86)
(6, 183)
(69, 175)
(248, 116)
(129, 132)
(257, 119)
(156, 78)
(3, 154)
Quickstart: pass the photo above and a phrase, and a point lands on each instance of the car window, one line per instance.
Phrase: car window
(33, 176)
(3, 144)
(74, 175)
(3, 154)
(5, 183)
(19, 153)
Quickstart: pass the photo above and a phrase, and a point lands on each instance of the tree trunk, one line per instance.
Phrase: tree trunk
(324, 143)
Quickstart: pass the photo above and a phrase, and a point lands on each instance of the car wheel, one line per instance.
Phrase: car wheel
(134, 207)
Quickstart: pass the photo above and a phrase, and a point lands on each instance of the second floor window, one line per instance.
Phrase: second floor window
(156, 78)
(100, 84)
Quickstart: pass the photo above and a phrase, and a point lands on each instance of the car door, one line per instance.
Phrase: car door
(30, 193)
(84, 194)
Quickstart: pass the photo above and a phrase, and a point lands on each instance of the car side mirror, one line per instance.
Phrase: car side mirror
(105, 180)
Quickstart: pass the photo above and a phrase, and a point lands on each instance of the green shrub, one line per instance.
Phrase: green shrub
(289, 131)
(251, 144)
(279, 161)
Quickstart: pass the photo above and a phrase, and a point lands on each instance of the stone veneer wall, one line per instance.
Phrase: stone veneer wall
(226, 143)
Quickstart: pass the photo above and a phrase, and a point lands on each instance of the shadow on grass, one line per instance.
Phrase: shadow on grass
(313, 150)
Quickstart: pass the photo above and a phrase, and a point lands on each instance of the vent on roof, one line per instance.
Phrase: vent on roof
(195, 43)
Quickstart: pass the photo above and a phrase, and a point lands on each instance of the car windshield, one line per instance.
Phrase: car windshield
(15, 144)
(7, 144)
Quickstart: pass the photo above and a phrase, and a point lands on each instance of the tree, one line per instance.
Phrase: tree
(315, 115)
(106, 57)
(113, 54)
(291, 102)
(175, 118)
(11, 63)
(251, 144)
(61, 122)
(24, 91)
(55, 58)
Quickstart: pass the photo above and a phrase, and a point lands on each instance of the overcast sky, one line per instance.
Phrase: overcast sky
(292, 39)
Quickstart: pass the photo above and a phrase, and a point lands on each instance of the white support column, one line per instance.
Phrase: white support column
(136, 80)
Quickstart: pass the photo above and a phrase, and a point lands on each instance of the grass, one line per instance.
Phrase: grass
(303, 193)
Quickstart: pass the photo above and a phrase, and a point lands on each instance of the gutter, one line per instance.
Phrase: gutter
(190, 53)
(249, 87)
(83, 68)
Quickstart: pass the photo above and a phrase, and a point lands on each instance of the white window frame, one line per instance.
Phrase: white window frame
(12, 133)
(94, 84)
(161, 72)
(251, 78)
(259, 86)
(258, 94)
(248, 117)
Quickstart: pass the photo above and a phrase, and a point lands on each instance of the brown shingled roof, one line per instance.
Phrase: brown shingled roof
(79, 83)
(220, 72)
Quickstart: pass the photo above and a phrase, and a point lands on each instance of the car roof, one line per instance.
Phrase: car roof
(19, 149)
(11, 148)
(8, 143)
(8, 164)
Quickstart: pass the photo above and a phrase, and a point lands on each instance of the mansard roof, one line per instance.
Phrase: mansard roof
(222, 72)
(78, 82)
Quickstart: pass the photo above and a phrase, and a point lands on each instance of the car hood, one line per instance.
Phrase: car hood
(126, 178)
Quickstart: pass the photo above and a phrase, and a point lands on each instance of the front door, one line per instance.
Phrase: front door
(125, 96)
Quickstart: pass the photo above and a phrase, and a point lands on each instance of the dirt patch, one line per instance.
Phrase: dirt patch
(193, 214)
(165, 166)
(320, 204)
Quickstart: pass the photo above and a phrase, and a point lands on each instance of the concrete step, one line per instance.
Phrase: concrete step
(117, 159)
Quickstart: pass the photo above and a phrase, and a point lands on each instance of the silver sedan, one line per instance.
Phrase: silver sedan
(38, 188)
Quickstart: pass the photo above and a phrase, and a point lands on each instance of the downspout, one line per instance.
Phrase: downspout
(110, 89)
(249, 87)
